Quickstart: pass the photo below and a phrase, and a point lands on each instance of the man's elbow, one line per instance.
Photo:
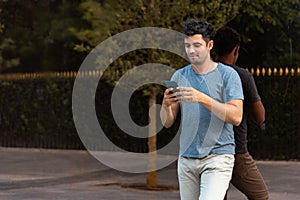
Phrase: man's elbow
(257, 112)
(237, 121)
(260, 118)
(236, 115)
(260, 121)
(167, 126)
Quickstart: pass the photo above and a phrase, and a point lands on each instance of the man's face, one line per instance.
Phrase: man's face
(196, 49)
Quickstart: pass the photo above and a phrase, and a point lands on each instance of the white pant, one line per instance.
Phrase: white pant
(205, 179)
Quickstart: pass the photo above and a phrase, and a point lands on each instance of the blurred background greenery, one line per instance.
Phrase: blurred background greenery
(56, 35)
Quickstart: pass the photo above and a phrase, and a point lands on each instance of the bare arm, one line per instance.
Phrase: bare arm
(169, 110)
(257, 111)
(230, 112)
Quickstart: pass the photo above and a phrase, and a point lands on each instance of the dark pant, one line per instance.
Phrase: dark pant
(247, 178)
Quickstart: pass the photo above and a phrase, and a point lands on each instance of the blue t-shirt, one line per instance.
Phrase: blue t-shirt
(203, 133)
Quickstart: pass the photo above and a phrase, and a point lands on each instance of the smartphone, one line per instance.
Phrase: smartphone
(171, 84)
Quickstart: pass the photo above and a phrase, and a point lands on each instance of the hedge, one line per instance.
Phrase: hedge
(37, 112)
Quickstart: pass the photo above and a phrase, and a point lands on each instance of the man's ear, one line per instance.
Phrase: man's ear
(210, 44)
(236, 50)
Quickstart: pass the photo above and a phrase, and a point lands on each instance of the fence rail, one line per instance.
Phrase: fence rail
(271, 71)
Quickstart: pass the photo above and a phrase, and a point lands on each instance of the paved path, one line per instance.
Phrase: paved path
(39, 174)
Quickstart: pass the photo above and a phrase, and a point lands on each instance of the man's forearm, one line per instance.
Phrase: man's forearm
(168, 116)
(230, 112)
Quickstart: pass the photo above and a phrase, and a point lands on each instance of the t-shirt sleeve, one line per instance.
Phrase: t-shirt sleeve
(175, 77)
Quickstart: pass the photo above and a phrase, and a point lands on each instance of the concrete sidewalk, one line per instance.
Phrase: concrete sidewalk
(40, 174)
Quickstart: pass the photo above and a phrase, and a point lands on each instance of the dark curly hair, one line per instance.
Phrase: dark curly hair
(225, 40)
(195, 26)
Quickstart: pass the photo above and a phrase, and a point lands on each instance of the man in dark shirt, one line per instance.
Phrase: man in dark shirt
(246, 176)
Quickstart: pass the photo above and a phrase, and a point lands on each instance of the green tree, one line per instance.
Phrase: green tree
(270, 31)
(8, 59)
(36, 33)
(39, 35)
(111, 17)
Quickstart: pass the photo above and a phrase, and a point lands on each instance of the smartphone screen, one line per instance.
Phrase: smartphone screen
(171, 84)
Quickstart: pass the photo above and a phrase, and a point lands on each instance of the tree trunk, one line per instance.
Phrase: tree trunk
(152, 177)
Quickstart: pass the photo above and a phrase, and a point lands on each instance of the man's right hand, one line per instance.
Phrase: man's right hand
(169, 98)
(170, 107)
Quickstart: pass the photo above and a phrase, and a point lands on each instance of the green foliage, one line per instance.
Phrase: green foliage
(97, 29)
(113, 17)
(56, 35)
(270, 32)
(40, 34)
(7, 57)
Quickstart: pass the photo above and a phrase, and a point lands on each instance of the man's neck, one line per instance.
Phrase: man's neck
(227, 60)
(205, 67)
